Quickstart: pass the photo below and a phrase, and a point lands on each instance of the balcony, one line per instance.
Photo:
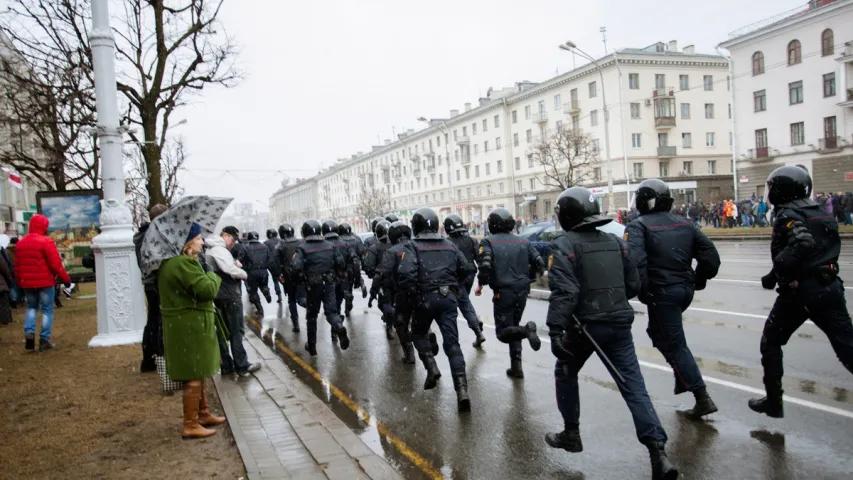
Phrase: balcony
(386, 178)
(430, 168)
(666, 152)
(760, 153)
(415, 158)
(385, 167)
(465, 158)
(662, 92)
(539, 117)
(398, 177)
(571, 108)
(829, 144)
(463, 140)
(849, 102)
(664, 122)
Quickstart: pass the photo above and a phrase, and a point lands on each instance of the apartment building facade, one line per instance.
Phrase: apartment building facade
(793, 85)
(294, 203)
(669, 116)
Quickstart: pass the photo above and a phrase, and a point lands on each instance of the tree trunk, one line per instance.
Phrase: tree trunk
(151, 152)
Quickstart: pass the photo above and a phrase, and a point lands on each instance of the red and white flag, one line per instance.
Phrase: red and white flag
(14, 178)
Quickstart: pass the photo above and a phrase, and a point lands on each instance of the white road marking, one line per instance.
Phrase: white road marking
(750, 281)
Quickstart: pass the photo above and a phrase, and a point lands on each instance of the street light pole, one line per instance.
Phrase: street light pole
(571, 47)
(121, 305)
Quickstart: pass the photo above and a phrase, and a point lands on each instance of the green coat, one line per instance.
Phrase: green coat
(189, 328)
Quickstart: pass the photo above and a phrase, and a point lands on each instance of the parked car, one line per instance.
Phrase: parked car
(364, 235)
(541, 234)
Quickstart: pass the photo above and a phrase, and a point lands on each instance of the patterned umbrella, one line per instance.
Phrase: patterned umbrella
(168, 233)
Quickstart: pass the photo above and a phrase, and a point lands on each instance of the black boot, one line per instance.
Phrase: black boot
(363, 291)
(771, 405)
(334, 337)
(409, 353)
(295, 328)
(460, 384)
(533, 337)
(312, 349)
(30, 342)
(279, 299)
(341, 331)
(514, 369)
(389, 331)
(45, 345)
(704, 404)
(433, 373)
(568, 440)
(679, 385)
(480, 337)
(433, 342)
(662, 468)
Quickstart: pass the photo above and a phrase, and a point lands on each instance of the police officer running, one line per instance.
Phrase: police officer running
(403, 290)
(330, 233)
(508, 263)
(353, 278)
(275, 269)
(592, 277)
(437, 266)
(370, 241)
(319, 263)
(804, 248)
(260, 258)
(663, 246)
(285, 252)
(372, 258)
(456, 232)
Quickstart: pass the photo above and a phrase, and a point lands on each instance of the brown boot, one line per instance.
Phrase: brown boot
(205, 417)
(192, 398)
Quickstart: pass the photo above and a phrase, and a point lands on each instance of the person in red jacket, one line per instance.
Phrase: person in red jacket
(37, 265)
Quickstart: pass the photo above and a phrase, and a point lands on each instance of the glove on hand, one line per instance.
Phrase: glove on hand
(768, 281)
(557, 347)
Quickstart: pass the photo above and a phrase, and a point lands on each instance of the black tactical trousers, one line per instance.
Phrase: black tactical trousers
(404, 305)
(442, 310)
(276, 280)
(823, 305)
(258, 279)
(509, 306)
(667, 333)
(152, 334)
(290, 291)
(322, 294)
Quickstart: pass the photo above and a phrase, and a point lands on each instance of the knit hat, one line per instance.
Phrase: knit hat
(195, 230)
(230, 230)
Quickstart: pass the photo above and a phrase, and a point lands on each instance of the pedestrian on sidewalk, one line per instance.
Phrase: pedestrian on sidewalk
(229, 302)
(37, 264)
(152, 334)
(187, 291)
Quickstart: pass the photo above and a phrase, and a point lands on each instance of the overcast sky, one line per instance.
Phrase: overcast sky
(325, 79)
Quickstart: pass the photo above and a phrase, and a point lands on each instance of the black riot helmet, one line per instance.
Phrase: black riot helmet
(577, 207)
(392, 218)
(271, 233)
(424, 220)
(312, 230)
(252, 236)
(398, 230)
(453, 224)
(375, 221)
(653, 196)
(786, 184)
(329, 226)
(381, 231)
(500, 221)
(286, 231)
(344, 229)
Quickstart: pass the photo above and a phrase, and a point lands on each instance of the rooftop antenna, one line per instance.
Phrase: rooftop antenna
(603, 31)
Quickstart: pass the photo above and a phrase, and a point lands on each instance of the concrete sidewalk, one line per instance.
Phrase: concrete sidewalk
(283, 430)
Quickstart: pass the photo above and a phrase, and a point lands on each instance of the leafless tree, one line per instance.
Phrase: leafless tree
(47, 93)
(167, 54)
(174, 156)
(567, 157)
(372, 201)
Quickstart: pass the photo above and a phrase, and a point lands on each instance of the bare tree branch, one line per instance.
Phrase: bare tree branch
(567, 157)
(372, 201)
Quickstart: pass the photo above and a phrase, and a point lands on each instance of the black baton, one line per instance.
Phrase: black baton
(599, 351)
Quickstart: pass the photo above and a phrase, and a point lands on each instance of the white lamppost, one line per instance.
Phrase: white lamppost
(121, 304)
(571, 47)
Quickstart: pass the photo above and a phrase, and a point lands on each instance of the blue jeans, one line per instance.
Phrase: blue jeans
(39, 297)
(745, 219)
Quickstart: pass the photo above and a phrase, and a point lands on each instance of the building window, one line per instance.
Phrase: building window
(457, 175)
(710, 139)
(485, 125)
(798, 134)
(530, 161)
(635, 110)
(685, 110)
(708, 81)
(576, 123)
(827, 42)
(486, 146)
(468, 172)
(514, 139)
(559, 125)
(757, 63)
(638, 170)
(557, 102)
(795, 92)
(593, 118)
(596, 146)
(712, 167)
(476, 149)
(730, 111)
(829, 85)
(686, 140)
(830, 127)
(596, 174)
(517, 164)
(709, 110)
(761, 138)
(473, 129)
(636, 140)
(731, 139)
(527, 112)
(500, 166)
(573, 94)
(529, 135)
(688, 167)
(464, 133)
(518, 186)
(514, 115)
(660, 80)
(634, 81)
(468, 192)
(501, 187)
(497, 121)
(794, 52)
(498, 143)
(664, 169)
(441, 179)
(759, 100)
(593, 90)
(533, 183)
(684, 82)
(459, 194)
(476, 171)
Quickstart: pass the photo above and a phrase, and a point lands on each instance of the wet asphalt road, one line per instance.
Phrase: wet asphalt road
(423, 436)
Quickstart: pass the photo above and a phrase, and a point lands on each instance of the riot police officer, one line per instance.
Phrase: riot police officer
(402, 290)
(275, 268)
(285, 251)
(353, 278)
(260, 258)
(372, 258)
(456, 232)
(391, 218)
(592, 277)
(804, 248)
(330, 233)
(319, 263)
(370, 241)
(437, 266)
(508, 263)
(663, 246)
